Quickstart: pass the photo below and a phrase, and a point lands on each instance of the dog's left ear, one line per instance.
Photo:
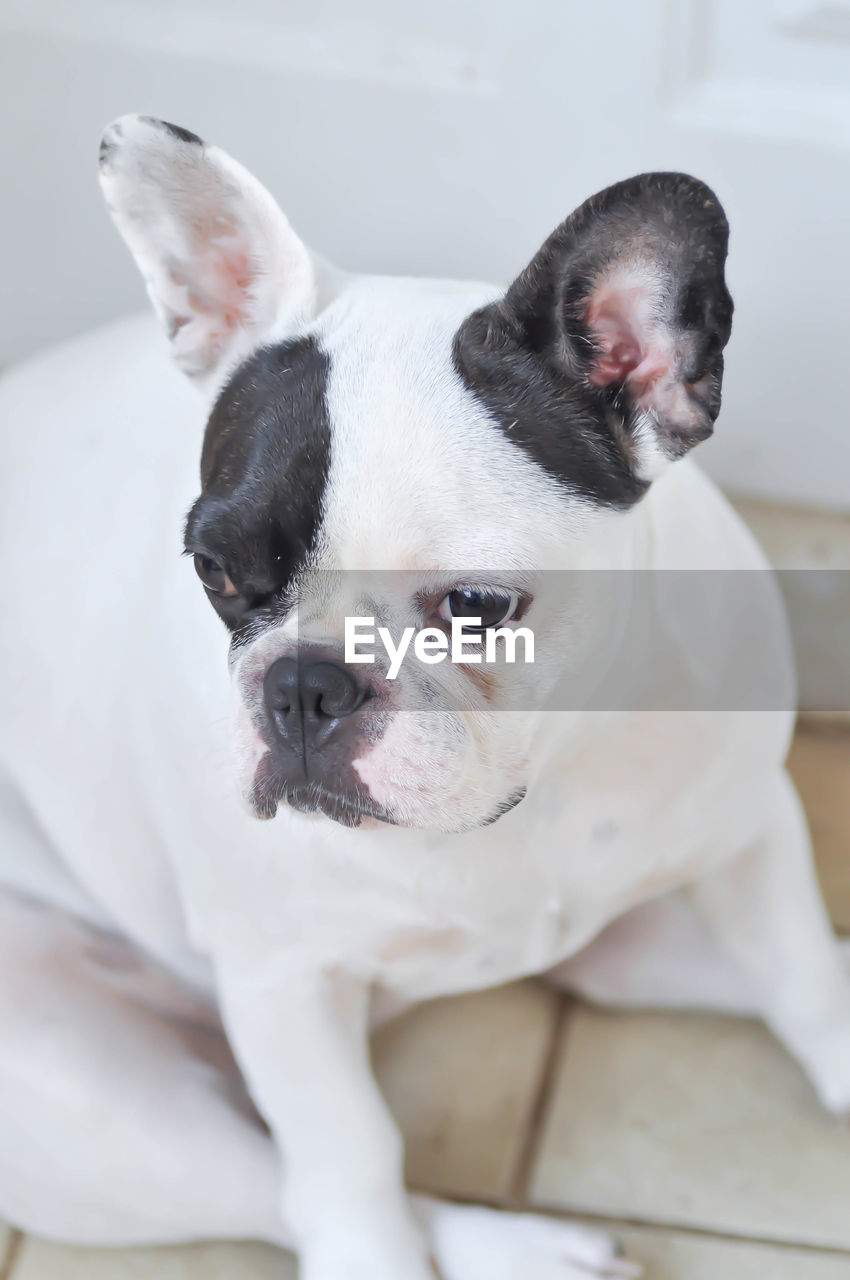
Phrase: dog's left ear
(610, 341)
(222, 265)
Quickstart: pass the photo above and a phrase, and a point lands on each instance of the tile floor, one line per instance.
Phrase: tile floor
(694, 1138)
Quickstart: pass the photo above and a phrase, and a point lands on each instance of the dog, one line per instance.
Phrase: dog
(420, 453)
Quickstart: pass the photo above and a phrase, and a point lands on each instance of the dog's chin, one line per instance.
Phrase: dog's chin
(356, 808)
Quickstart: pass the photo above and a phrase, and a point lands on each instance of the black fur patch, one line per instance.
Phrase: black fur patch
(528, 357)
(176, 130)
(565, 428)
(337, 792)
(108, 143)
(264, 469)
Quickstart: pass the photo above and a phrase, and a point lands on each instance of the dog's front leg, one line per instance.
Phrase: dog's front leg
(301, 1036)
(765, 909)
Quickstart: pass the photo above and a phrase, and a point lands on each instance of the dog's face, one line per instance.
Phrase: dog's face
(418, 453)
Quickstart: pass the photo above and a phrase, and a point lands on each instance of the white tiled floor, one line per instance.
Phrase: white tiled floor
(694, 1139)
(694, 1121)
(39, 1260)
(669, 1255)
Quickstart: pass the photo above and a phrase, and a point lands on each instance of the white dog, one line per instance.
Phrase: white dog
(425, 454)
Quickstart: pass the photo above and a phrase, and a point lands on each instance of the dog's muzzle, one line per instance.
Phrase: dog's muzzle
(313, 730)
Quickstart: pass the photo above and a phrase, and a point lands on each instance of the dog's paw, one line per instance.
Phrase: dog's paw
(829, 1070)
(470, 1243)
(824, 1054)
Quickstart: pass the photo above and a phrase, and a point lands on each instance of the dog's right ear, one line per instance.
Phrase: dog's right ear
(604, 358)
(222, 265)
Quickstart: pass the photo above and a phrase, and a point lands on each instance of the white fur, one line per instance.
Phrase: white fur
(213, 247)
(119, 812)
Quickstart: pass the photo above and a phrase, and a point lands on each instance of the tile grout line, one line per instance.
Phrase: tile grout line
(716, 1234)
(11, 1253)
(517, 1191)
(620, 1222)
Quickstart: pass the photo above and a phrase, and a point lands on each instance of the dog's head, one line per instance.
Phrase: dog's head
(417, 453)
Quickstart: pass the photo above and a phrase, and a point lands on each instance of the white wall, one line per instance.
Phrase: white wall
(450, 138)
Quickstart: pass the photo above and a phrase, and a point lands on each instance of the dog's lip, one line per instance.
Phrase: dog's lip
(311, 797)
(509, 803)
(314, 799)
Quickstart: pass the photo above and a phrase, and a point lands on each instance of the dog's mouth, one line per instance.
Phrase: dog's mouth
(510, 802)
(350, 807)
(349, 810)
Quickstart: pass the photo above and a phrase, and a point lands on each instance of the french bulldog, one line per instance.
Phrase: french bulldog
(424, 454)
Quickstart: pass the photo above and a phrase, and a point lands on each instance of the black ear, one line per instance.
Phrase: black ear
(604, 358)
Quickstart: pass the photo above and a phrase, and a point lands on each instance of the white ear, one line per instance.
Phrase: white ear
(222, 265)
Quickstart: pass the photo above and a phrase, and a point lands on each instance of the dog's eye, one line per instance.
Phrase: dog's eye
(213, 576)
(492, 605)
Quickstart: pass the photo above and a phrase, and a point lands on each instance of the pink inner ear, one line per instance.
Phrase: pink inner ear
(219, 276)
(618, 348)
(216, 284)
(232, 274)
(628, 347)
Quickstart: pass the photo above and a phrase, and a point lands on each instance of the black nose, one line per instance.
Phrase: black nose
(306, 700)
